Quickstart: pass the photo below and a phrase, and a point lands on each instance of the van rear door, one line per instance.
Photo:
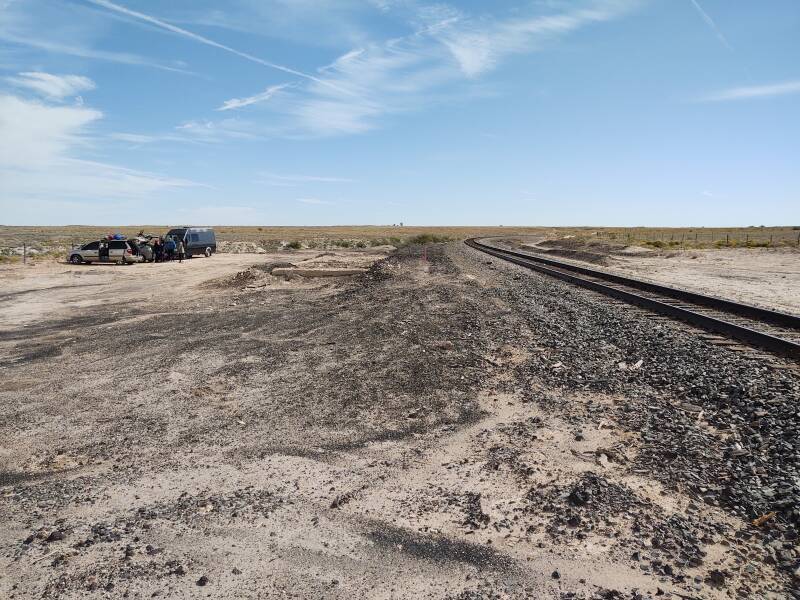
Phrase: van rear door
(207, 239)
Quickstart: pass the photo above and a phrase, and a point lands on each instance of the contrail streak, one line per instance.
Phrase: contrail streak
(204, 40)
(710, 22)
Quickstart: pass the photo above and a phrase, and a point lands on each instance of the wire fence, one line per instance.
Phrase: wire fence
(704, 237)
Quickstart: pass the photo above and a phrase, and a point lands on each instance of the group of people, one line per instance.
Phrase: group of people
(162, 249)
(168, 249)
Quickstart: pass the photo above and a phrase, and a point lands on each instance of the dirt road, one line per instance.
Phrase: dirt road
(439, 427)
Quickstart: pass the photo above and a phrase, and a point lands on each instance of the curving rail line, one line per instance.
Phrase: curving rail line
(772, 330)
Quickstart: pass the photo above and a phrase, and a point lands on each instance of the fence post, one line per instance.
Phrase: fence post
(24, 253)
(770, 239)
(727, 240)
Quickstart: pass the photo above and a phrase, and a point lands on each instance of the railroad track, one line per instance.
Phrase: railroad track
(772, 330)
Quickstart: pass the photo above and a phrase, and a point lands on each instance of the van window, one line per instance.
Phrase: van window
(193, 237)
(118, 245)
(91, 246)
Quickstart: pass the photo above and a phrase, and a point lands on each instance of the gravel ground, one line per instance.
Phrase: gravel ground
(444, 426)
(768, 277)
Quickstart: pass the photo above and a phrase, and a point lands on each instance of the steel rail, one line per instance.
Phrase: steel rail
(745, 310)
(765, 340)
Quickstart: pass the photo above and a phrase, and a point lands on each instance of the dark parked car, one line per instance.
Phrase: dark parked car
(196, 240)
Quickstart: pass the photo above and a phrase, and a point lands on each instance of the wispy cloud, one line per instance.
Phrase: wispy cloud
(32, 133)
(40, 26)
(198, 38)
(295, 180)
(87, 180)
(82, 52)
(479, 45)
(139, 139)
(196, 132)
(379, 79)
(134, 138)
(316, 23)
(439, 61)
(215, 131)
(255, 99)
(40, 159)
(750, 92)
(315, 201)
(54, 87)
(710, 22)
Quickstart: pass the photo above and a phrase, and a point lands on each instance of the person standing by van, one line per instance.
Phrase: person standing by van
(103, 254)
(169, 247)
(181, 251)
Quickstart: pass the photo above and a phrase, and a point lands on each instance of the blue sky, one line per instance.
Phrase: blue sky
(323, 112)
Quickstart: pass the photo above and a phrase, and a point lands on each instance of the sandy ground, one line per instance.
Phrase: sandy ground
(49, 289)
(760, 276)
(199, 430)
(768, 277)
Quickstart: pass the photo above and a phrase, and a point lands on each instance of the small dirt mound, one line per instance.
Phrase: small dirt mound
(239, 280)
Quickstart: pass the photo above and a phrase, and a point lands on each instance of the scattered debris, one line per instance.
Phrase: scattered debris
(342, 499)
(764, 518)
(475, 517)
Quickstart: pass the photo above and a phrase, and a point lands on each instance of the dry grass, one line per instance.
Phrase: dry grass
(44, 237)
(703, 237)
(68, 235)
